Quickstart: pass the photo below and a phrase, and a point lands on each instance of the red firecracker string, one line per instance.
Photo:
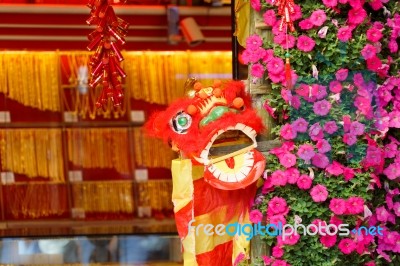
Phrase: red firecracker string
(106, 41)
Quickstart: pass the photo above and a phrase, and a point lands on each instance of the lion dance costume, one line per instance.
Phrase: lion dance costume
(209, 189)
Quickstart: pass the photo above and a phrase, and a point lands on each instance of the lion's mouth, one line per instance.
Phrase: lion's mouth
(235, 166)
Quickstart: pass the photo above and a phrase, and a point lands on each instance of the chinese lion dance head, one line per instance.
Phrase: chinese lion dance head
(214, 116)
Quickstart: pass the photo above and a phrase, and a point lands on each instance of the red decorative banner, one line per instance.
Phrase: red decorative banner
(106, 41)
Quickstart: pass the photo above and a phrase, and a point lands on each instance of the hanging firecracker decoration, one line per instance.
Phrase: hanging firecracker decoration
(286, 10)
(106, 41)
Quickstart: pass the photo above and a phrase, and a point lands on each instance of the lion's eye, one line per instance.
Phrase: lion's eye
(181, 122)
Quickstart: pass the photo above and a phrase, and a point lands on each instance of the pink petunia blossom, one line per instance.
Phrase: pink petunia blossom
(253, 42)
(356, 4)
(267, 260)
(239, 259)
(344, 34)
(292, 175)
(374, 63)
(318, 17)
(335, 220)
(297, 13)
(322, 32)
(390, 150)
(323, 146)
(304, 182)
(342, 74)
(287, 160)
(305, 43)
(370, 263)
(319, 193)
(376, 4)
(255, 4)
(394, 119)
(275, 65)
(392, 171)
(277, 251)
(347, 245)
(269, 54)
(280, 263)
(396, 208)
(322, 108)
(355, 205)
(277, 205)
(330, 127)
(337, 206)
(393, 46)
(278, 178)
(276, 219)
(382, 214)
(255, 216)
(357, 16)
(368, 51)
(300, 125)
(335, 168)
(348, 173)
(287, 132)
(330, 3)
(286, 41)
(306, 24)
(269, 17)
(315, 132)
(320, 160)
(357, 128)
(257, 70)
(295, 103)
(328, 240)
(290, 239)
(374, 35)
(306, 152)
(335, 86)
(349, 139)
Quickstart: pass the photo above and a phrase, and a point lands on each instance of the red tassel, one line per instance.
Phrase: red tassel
(288, 74)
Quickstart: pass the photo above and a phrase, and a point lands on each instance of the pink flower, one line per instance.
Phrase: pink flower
(374, 35)
(287, 132)
(297, 13)
(257, 70)
(368, 51)
(306, 152)
(355, 205)
(393, 46)
(286, 42)
(392, 171)
(256, 216)
(396, 208)
(239, 259)
(357, 128)
(255, 4)
(290, 238)
(394, 119)
(275, 65)
(335, 220)
(306, 24)
(315, 132)
(304, 182)
(374, 63)
(269, 17)
(328, 241)
(319, 193)
(337, 206)
(277, 251)
(344, 34)
(356, 4)
(322, 32)
(278, 178)
(376, 4)
(280, 263)
(341, 74)
(320, 160)
(267, 260)
(357, 16)
(277, 205)
(287, 160)
(322, 108)
(269, 54)
(349, 139)
(305, 44)
(292, 175)
(253, 42)
(330, 127)
(300, 125)
(348, 173)
(347, 245)
(318, 17)
(276, 219)
(335, 86)
(323, 146)
(330, 3)
(370, 263)
(335, 169)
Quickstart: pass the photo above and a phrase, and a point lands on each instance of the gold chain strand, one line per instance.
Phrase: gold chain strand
(105, 197)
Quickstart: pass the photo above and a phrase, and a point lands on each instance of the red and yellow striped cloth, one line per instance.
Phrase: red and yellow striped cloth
(194, 199)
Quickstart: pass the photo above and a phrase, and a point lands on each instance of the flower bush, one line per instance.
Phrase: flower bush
(339, 162)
